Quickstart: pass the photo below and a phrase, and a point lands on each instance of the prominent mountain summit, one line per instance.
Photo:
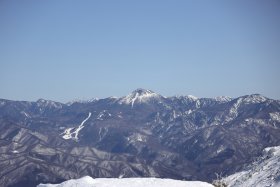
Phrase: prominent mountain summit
(142, 134)
(142, 91)
(139, 96)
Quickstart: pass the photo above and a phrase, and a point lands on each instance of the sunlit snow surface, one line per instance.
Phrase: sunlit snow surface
(72, 133)
(127, 182)
(262, 173)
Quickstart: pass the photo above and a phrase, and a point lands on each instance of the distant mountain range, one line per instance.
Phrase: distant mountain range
(142, 134)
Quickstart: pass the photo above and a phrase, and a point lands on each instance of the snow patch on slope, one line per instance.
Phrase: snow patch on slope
(264, 172)
(72, 133)
(275, 116)
(233, 112)
(127, 182)
(25, 114)
(104, 114)
(2, 103)
(137, 137)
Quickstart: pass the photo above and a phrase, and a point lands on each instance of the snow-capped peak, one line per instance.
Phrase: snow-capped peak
(141, 91)
(254, 98)
(192, 97)
(138, 96)
(250, 99)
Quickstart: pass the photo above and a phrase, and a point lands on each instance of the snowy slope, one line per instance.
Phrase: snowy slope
(72, 133)
(264, 172)
(127, 182)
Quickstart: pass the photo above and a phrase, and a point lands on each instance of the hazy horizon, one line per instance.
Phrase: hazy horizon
(120, 96)
(65, 50)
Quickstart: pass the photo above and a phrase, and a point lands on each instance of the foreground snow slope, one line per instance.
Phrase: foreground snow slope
(264, 172)
(127, 182)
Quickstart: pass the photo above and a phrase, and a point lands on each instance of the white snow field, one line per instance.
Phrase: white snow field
(263, 173)
(127, 182)
(68, 134)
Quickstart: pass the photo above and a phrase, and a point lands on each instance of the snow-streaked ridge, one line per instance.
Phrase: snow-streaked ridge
(254, 98)
(264, 172)
(223, 98)
(192, 97)
(82, 101)
(72, 133)
(48, 103)
(127, 182)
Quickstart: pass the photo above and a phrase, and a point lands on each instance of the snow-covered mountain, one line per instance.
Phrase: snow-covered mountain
(127, 182)
(265, 171)
(140, 96)
(142, 134)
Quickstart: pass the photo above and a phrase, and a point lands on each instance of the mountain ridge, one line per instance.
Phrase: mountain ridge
(77, 100)
(181, 137)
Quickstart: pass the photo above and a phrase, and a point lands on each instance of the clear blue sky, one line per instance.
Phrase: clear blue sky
(63, 50)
